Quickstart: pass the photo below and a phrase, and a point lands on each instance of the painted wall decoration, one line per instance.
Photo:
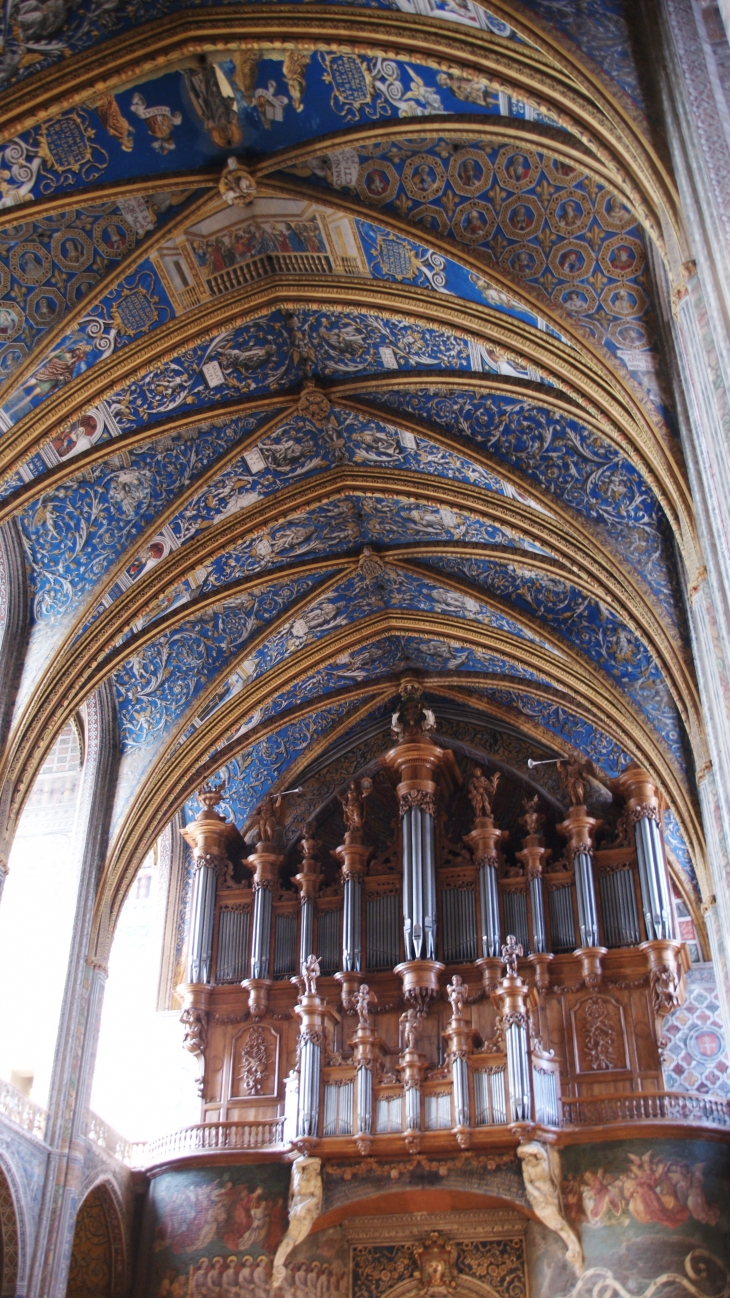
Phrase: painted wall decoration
(652, 1218)
(92, 1263)
(570, 462)
(197, 1220)
(545, 222)
(694, 1049)
(496, 1174)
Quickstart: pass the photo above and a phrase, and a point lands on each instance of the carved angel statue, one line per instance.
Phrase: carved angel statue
(396, 726)
(541, 1174)
(482, 791)
(574, 779)
(429, 720)
(511, 952)
(305, 1203)
(310, 974)
(353, 809)
(533, 817)
(410, 1024)
(457, 992)
(363, 999)
(268, 815)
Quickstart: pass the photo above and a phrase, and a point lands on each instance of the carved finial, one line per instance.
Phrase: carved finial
(310, 974)
(574, 777)
(211, 794)
(236, 184)
(308, 843)
(511, 951)
(533, 817)
(482, 792)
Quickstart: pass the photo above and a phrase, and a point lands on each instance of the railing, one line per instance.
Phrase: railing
(105, 1137)
(17, 1108)
(206, 1136)
(645, 1106)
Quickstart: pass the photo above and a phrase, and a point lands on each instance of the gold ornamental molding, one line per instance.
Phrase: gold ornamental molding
(144, 186)
(571, 369)
(176, 778)
(55, 697)
(544, 67)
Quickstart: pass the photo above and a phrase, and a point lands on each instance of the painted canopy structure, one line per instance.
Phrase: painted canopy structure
(329, 350)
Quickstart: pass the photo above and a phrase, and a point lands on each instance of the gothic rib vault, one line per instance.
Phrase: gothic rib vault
(398, 404)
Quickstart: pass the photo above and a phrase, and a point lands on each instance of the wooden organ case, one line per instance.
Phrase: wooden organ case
(435, 990)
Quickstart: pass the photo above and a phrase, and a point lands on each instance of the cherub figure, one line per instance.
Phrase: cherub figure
(511, 951)
(457, 992)
(310, 974)
(268, 817)
(410, 1025)
(363, 999)
(482, 791)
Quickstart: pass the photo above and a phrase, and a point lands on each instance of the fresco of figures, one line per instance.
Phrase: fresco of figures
(215, 1231)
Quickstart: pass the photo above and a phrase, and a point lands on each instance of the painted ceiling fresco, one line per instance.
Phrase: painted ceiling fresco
(396, 406)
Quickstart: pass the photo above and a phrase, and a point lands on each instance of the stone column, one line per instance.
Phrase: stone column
(78, 1032)
(308, 882)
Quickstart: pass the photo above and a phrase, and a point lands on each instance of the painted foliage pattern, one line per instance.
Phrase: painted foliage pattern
(570, 462)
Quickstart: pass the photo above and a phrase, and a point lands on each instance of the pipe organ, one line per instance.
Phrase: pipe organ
(438, 984)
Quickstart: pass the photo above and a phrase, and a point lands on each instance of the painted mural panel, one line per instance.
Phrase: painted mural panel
(204, 1225)
(653, 1218)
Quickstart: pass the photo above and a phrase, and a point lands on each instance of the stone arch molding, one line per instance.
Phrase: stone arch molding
(13, 1233)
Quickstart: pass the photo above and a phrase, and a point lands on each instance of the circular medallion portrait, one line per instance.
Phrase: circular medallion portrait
(72, 249)
(521, 217)
(523, 260)
(113, 236)
(613, 213)
(624, 300)
(621, 257)
(517, 169)
(569, 213)
(470, 172)
(11, 321)
(576, 299)
(30, 263)
(473, 223)
(423, 177)
(377, 182)
(571, 261)
(431, 218)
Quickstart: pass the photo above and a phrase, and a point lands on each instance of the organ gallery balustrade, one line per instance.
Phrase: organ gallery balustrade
(441, 986)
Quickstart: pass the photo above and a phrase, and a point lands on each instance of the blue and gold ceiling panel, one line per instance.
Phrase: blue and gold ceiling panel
(546, 222)
(75, 534)
(159, 683)
(567, 460)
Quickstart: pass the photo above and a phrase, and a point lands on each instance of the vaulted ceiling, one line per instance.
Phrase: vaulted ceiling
(406, 408)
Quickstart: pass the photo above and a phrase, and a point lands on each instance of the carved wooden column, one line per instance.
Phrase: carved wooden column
(483, 841)
(308, 882)
(265, 863)
(352, 855)
(210, 836)
(644, 804)
(412, 1066)
(416, 758)
(514, 1024)
(459, 1037)
(366, 1049)
(578, 828)
(533, 856)
(312, 1012)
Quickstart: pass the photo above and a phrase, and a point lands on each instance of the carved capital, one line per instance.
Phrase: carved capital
(422, 798)
(644, 811)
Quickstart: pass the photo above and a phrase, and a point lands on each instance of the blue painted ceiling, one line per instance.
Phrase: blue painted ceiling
(405, 409)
